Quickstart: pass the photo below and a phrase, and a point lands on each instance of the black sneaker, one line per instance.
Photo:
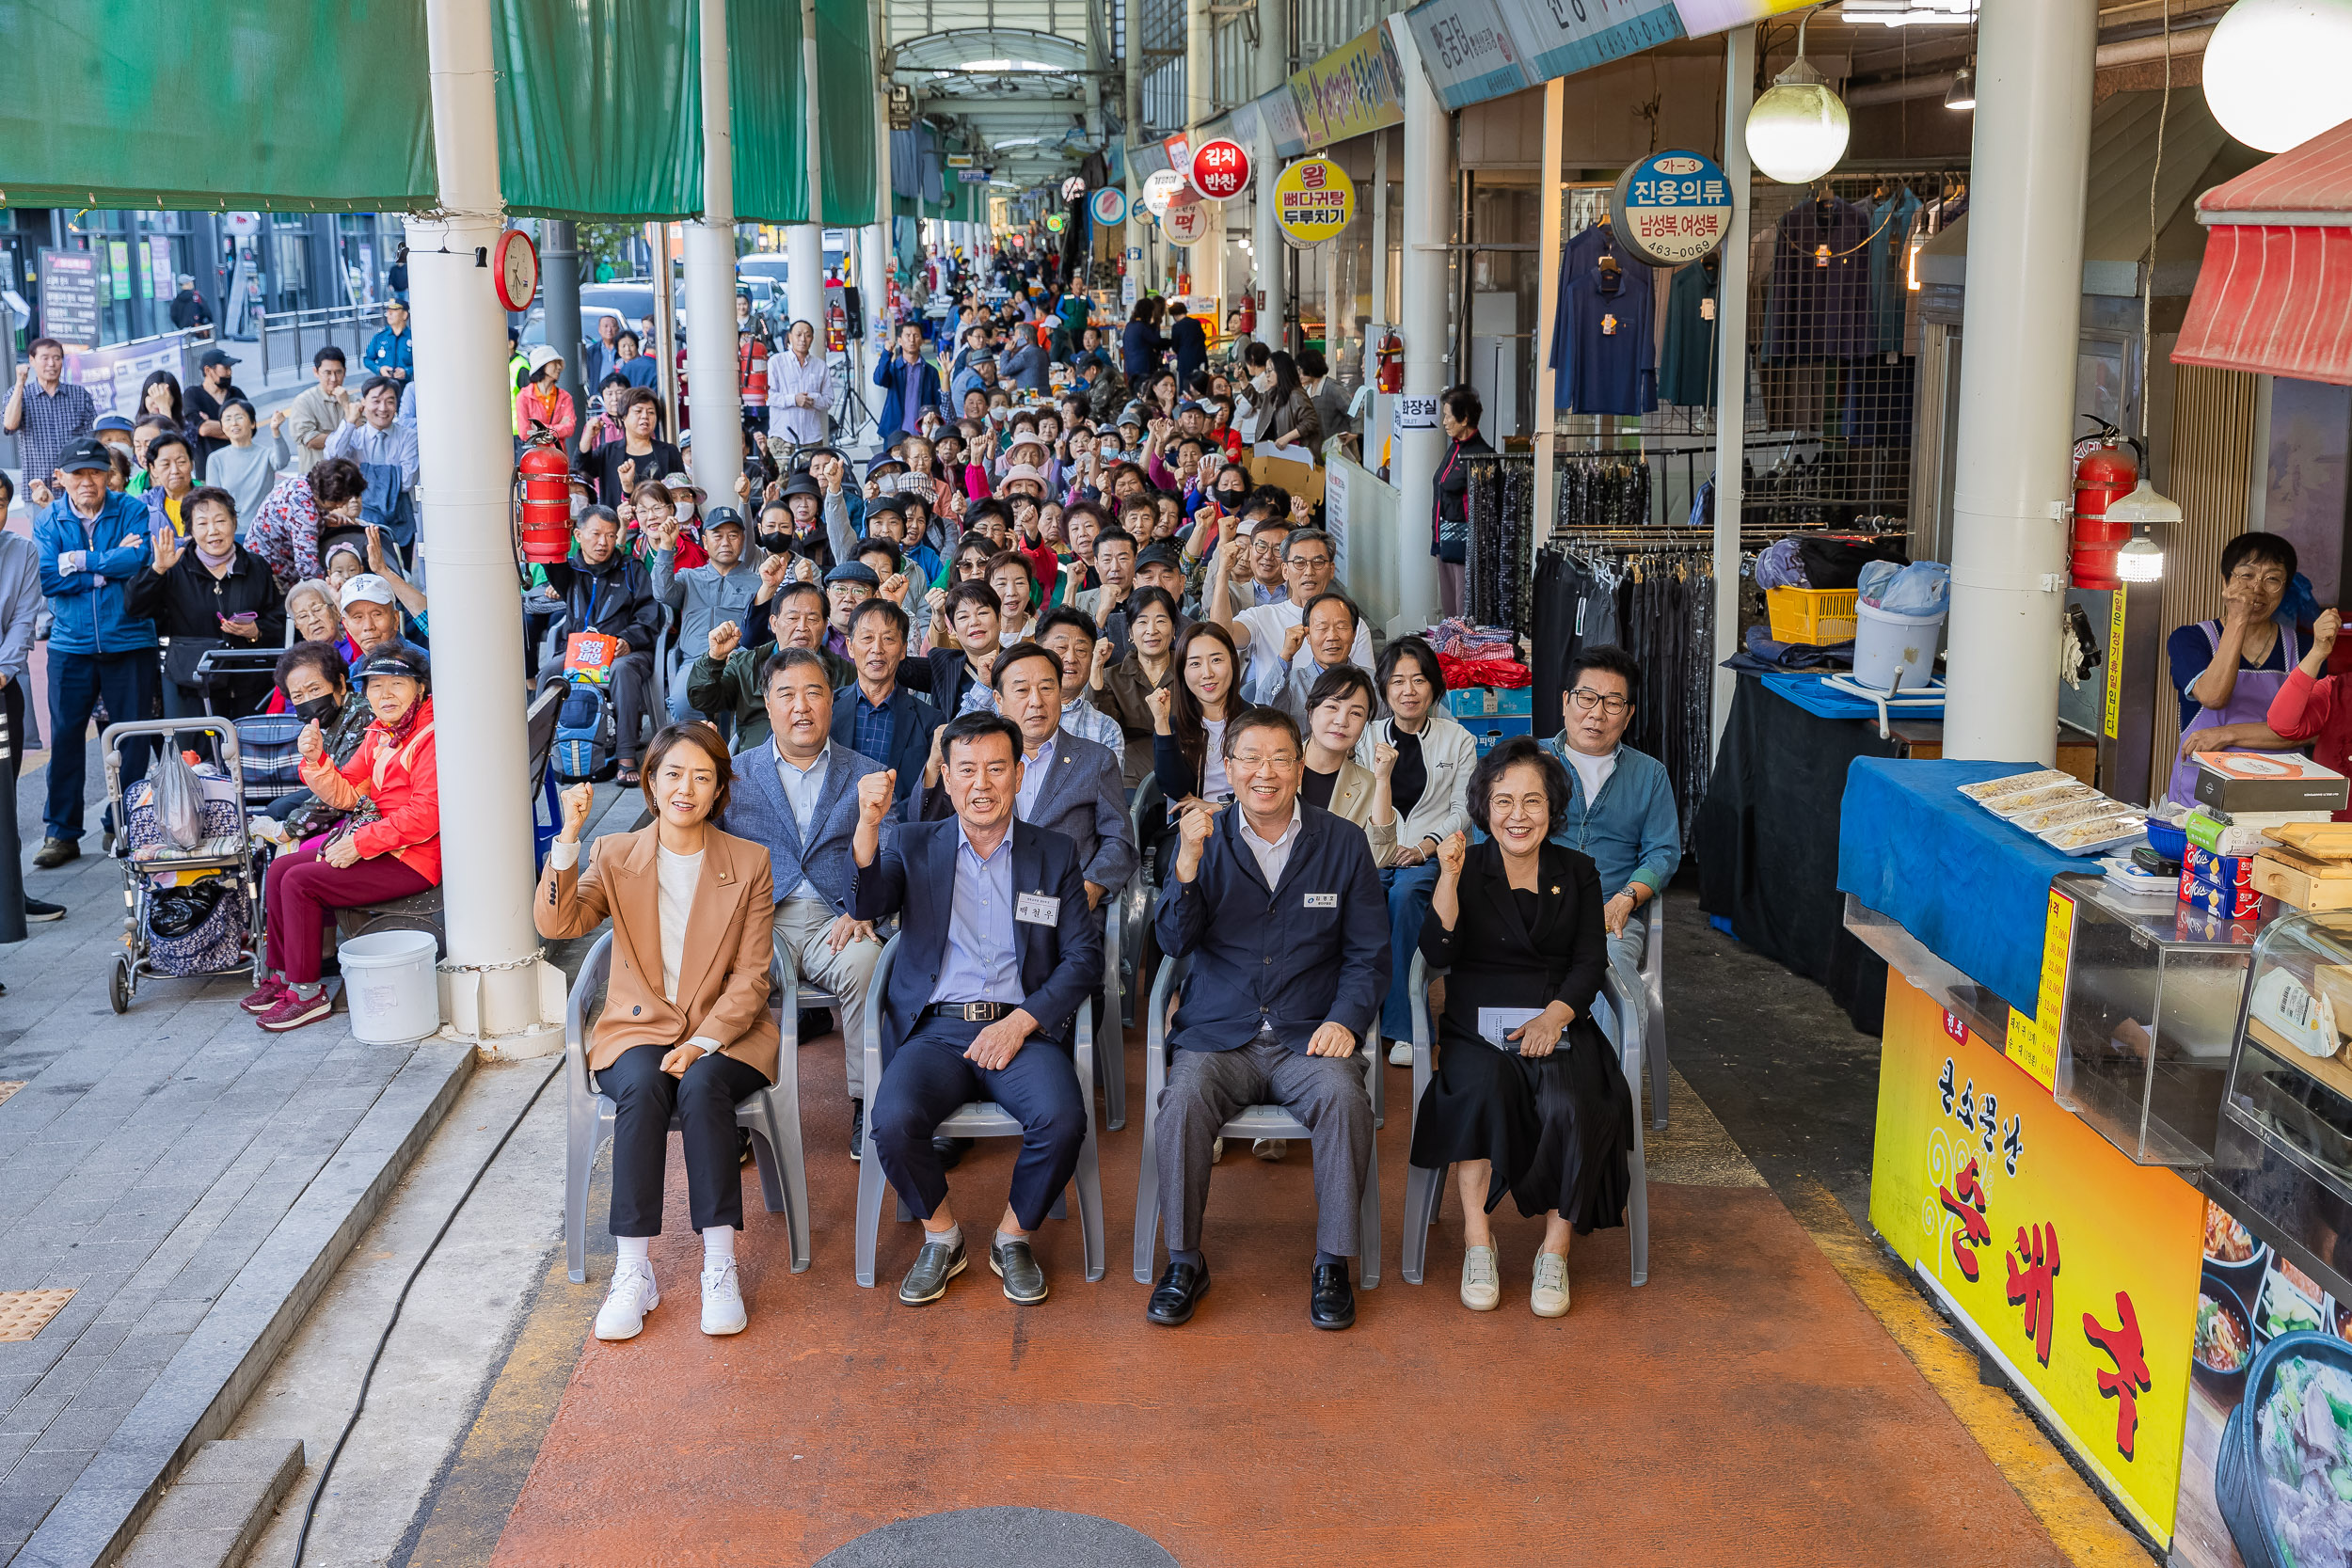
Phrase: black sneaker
(857, 1129)
(38, 910)
(55, 852)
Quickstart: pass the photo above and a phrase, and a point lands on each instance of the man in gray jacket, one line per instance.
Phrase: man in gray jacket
(704, 596)
(20, 603)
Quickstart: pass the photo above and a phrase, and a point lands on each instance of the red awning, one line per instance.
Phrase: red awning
(2275, 295)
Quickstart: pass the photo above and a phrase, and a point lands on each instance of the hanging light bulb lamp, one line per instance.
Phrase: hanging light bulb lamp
(2141, 559)
(2274, 71)
(1962, 94)
(1798, 130)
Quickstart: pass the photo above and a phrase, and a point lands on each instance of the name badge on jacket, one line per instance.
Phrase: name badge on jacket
(1323, 900)
(1036, 908)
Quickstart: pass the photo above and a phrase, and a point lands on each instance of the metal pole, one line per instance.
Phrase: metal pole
(2016, 407)
(714, 367)
(1131, 58)
(664, 326)
(1199, 107)
(1267, 248)
(1731, 366)
(804, 243)
(560, 268)
(1554, 220)
(1428, 223)
(491, 981)
(875, 255)
(1376, 410)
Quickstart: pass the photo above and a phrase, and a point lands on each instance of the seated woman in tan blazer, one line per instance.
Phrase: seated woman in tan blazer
(1339, 706)
(685, 1026)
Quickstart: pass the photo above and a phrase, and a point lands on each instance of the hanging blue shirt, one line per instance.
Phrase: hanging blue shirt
(1604, 354)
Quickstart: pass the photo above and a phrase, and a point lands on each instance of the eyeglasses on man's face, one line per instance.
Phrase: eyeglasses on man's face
(1586, 700)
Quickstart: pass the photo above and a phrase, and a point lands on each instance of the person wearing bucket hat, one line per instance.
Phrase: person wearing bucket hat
(543, 404)
(395, 854)
(704, 596)
(847, 586)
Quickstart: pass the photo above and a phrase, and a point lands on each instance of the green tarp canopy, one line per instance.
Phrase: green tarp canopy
(327, 107)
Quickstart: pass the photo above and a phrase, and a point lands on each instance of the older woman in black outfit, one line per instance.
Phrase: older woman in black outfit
(1541, 1108)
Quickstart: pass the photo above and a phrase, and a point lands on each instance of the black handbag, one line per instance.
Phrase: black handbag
(180, 656)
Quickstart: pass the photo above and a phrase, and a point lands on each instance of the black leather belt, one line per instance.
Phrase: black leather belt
(970, 1012)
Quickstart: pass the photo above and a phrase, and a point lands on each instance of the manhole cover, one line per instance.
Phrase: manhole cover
(1009, 1537)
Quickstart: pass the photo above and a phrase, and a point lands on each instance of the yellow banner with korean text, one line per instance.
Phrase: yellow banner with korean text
(2075, 1268)
(1352, 91)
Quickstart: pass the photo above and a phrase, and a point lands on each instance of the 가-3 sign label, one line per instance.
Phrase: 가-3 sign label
(1672, 207)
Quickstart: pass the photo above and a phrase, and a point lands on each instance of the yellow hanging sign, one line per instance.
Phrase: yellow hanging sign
(1313, 202)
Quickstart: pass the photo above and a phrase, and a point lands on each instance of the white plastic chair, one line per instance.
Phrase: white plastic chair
(979, 1118)
(1253, 1123)
(1654, 1023)
(1619, 1016)
(772, 1115)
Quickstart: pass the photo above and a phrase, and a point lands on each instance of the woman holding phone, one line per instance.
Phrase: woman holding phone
(203, 592)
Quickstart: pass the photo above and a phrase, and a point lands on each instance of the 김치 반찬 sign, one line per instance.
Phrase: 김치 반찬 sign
(1221, 169)
(1672, 207)
(1313, 202)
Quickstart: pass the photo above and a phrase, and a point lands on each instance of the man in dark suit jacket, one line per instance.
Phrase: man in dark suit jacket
(876, 716)
(796, 794)
(996, 955)
(1282, 909)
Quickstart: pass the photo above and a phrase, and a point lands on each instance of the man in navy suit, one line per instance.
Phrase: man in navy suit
(1283, 912)
(797, 795)
(876, 716)
(1069, 785)
(997, 953)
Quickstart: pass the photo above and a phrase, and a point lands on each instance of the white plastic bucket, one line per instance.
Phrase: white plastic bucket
(1887, 645)
(391, 986)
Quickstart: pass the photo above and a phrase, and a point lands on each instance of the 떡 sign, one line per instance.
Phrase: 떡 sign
(1672, 207)
(1108, 206)
(1313, 202)
(1221, 169)
(1186, 223)
(69, 297)
(2076, 1269)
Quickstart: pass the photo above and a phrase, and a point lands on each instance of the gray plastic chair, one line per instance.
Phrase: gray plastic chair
(1110, 1063)
(773, 1115)
(1654, 1023)
(979, 1118)
(1619, 1014)
(1254, 1122)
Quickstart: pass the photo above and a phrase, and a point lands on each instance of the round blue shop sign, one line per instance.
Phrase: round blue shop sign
(1673, 207)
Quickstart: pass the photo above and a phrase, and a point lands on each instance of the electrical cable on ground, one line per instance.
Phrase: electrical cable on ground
(309, 1511)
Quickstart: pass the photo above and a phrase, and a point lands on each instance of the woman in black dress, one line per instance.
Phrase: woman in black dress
(1545, 1112)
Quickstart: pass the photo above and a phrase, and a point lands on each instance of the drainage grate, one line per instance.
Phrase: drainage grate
(25, 1313)
(9, 1086)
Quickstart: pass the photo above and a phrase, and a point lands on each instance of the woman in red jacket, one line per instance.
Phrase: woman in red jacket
(2316, 706)
(389, 848)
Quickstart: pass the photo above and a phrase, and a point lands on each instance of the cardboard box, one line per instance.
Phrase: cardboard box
(1490, 732)
(2219, 870)
(1299, 479)
(2226, 903)
(2305, 883)
(2267, 781)
(1484, 702)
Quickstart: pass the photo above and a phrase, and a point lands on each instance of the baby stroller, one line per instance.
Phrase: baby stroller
(187, 914)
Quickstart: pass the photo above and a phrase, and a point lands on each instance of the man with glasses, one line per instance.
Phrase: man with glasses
(1621, 805)
(1275, 635)
(1280, 907)
(46, 415)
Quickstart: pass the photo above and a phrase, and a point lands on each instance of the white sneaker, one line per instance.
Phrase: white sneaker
(1481, 1281)
(1400, 1052)
(723, 1300)
(1548, 1297)
(1217, 1150)
(632, 1296)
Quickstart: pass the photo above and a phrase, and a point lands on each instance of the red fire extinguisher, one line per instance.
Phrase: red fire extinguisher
(2105, 471)
(1246, 313)
(543, 508)
(1391, 359)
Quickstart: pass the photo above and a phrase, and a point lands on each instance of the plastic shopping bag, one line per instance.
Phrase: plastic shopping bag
(179, 804)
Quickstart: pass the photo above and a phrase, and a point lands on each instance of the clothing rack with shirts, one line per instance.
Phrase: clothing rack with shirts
(1498, 554)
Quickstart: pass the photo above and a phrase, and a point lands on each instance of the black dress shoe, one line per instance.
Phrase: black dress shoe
(857, 1129)
(743, 1146)
(1016, 1265)
(936, 1264)
(950, 1151)
(1331, 1301)
(1179, 1291)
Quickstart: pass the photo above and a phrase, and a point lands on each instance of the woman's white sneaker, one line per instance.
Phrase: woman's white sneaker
(1481, 1281)
(1548, 1297)
(723, 1300)
(626, 1303)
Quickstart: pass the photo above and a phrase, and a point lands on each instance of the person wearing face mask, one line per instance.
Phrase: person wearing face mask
(1539, 1109)
(209, 592)
(313, 685)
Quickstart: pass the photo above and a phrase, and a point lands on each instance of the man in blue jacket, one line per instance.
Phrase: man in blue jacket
(93, 540)
(997, 953)
(1282, 909)
(393, 352)
(910, 384)
(1621, 804)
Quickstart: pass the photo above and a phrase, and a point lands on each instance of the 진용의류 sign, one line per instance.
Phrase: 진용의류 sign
(1313, 202)
(1672, 207)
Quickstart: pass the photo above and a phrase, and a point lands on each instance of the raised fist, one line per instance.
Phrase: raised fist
(724, 639)
(873, 796)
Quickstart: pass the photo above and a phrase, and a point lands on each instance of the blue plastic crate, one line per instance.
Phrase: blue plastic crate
(1490, 732)
(1483, 702)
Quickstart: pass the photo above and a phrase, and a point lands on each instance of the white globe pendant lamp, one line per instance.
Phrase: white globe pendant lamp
(2275, 71)
(1798, 130)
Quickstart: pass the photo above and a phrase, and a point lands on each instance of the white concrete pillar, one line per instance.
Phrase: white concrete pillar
(874, 253)
(1731, 366)
(713, 369)
(1265, 237)
(1204, 261)
(2016, 414)
(1552, 219)
(804, 243)
(1429, 224)
(491, 989)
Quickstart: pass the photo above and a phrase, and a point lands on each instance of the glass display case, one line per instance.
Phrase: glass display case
(2283, 1161)
(2152, 1008)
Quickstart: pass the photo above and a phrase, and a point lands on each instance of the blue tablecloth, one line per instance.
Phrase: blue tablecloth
(1814, 695)
(1972, 888)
